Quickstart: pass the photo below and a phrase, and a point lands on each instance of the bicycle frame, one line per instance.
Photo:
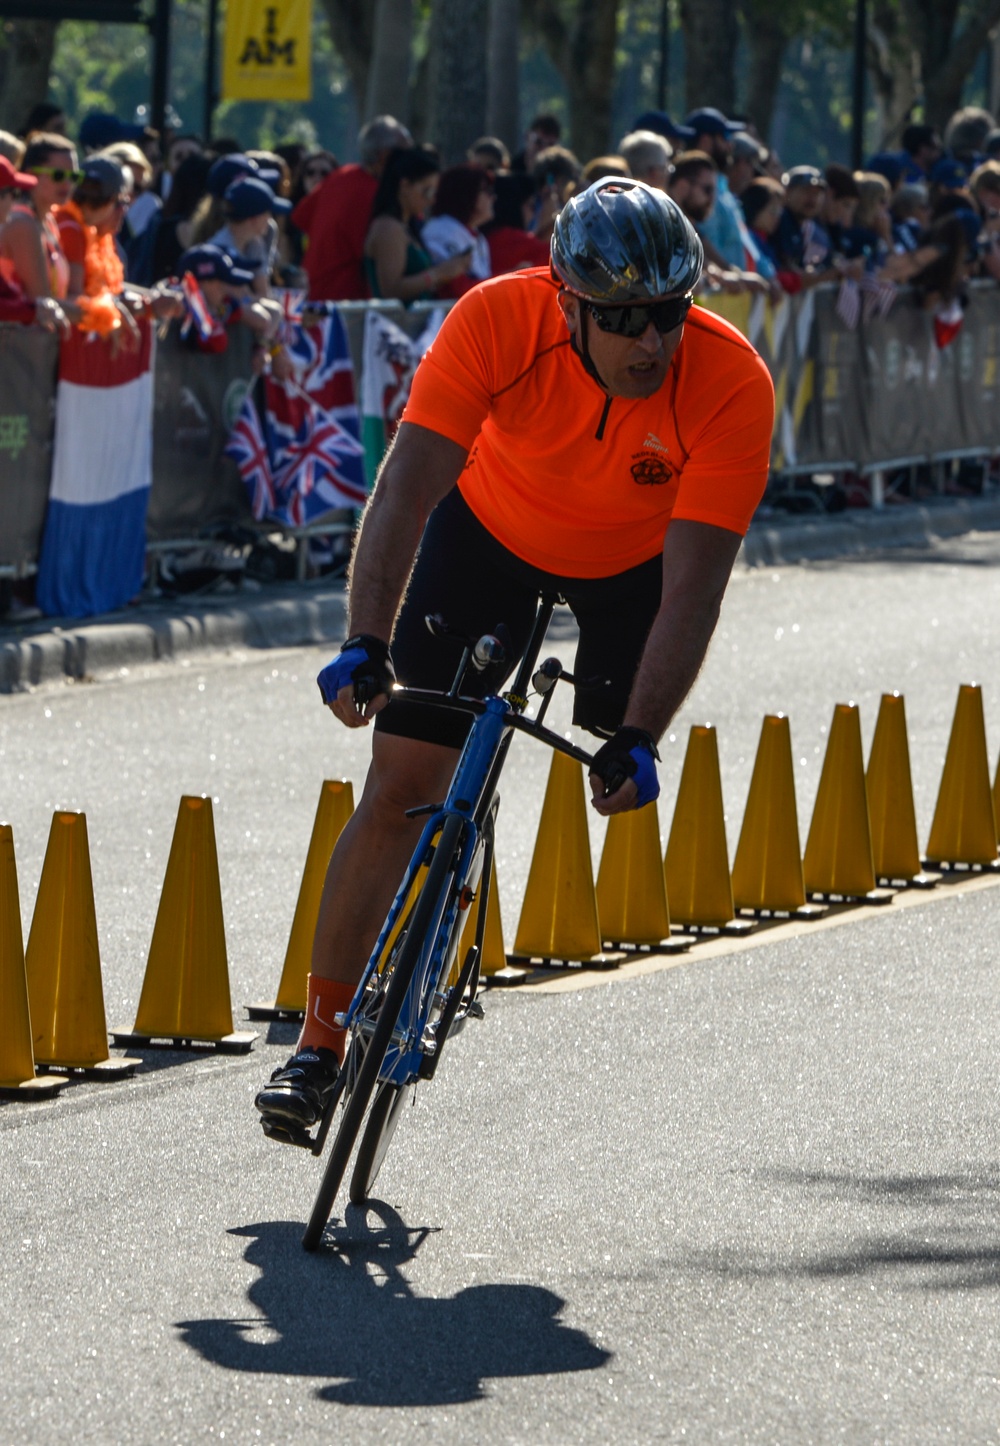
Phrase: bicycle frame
(472, 798)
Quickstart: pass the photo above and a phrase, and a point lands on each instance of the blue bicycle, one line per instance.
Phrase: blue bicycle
(414, 989)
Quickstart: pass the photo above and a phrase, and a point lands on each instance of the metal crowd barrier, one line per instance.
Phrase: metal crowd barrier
(879, 397)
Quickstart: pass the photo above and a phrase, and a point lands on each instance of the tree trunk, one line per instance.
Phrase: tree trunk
(768, 39)
(583, 51)
(25, 62)
(389, 72)
(352, 32)
(710, 35)
(946, 59)
(457, 112)
(892, 64)
(503, 110)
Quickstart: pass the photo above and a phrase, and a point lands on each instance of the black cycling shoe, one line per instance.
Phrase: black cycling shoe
(297, 1094)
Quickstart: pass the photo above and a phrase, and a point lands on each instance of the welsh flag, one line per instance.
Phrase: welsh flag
(388, 360)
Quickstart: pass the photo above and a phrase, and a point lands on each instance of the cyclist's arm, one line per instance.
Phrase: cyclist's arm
(420, 468)
(697, 561)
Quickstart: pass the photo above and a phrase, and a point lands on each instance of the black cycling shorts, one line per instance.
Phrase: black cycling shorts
(463, 573)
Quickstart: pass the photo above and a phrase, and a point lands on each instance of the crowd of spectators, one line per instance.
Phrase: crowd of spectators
(98, 231)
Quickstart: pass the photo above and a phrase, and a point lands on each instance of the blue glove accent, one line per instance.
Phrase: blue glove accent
(340, 672)
(364, 661)
(644, 777)
(631, 753)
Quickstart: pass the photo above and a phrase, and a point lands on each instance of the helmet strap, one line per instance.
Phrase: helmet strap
(583, 350)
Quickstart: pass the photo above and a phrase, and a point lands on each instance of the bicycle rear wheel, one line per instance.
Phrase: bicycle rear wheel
(390, 1002)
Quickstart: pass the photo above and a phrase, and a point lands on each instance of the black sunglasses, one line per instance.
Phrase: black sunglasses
(632, 321)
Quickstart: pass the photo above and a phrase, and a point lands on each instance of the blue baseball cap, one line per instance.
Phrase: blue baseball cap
(711, 122)
(949, 173)
(888, 164)
(100, 129)
(252, 197)
(660, 122)
(211, 263)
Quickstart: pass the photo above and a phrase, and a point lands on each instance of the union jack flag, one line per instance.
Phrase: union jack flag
(249, 450)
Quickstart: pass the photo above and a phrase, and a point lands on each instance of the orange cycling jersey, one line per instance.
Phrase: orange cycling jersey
(572, 481)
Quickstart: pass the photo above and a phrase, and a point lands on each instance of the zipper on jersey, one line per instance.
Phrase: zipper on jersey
(604, 418)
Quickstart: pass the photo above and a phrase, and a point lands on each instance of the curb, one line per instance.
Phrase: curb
(297, 615)
(88, 650)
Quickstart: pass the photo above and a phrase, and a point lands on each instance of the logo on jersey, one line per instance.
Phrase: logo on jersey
(654, 444)
(650, 472)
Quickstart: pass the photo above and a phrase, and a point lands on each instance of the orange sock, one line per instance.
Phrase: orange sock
(326, 998)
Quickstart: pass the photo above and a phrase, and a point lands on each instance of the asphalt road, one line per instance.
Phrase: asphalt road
(749, 1197)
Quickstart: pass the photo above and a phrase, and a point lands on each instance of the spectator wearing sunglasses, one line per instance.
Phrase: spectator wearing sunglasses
(30, 239)
(310, 173)
(14, 304)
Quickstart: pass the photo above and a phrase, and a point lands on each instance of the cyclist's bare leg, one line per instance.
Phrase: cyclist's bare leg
(374, 849)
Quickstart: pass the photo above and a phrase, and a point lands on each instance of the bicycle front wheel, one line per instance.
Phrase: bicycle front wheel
(384, 1116)
(430, 905)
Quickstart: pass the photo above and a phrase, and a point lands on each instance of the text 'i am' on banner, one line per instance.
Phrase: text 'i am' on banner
(267, 50)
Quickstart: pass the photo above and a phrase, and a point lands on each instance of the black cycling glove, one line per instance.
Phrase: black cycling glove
(629, 754)
(364, 661)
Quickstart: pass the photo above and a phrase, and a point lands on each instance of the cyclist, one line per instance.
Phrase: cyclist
(577, 428)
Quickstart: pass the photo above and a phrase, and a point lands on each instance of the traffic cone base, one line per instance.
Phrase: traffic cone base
(964, 831)
(185, 1000)
(335, 807)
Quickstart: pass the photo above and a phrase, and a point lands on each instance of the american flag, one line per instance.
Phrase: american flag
(248, 448)
(198, 314)
(879, 294)
(849, 303)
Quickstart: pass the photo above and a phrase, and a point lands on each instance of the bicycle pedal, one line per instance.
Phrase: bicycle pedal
(475, 1010)
(287, 1133)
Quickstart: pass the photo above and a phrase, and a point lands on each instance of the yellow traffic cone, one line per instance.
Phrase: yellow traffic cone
(185, 993)
(494, 957)
(17, 1061)
(559, 914)
(63, 961)
(631, 888)
(336, 804)
(838, 860)
(964, 829)
(893, 819)
(767, 869)
(696, 862)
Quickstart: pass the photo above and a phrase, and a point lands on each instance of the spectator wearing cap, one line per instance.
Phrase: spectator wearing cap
(15, 304)
(763, 204)
(135, 237)
(723, 229)
(840, 201)
(746, 162)
(869, 238)
(948, 177)
(681, 137)
(100, 129)
(647, 156)
(30, 239)
(335, 217)
(250, 206)
(890, 165)
(225, 285)
(463, 204)
(490, 153)
(512, 243)
(225, 169)
(922, 147)
(800, 242)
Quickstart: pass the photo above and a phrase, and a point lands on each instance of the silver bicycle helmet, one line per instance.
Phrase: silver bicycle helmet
(621, 241)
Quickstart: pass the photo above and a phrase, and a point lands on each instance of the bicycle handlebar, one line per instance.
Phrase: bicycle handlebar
(476, 706)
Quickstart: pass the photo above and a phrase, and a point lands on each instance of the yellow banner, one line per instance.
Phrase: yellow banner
(267, 50)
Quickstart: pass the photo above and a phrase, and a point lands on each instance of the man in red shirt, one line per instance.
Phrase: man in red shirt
(581, 430)
(335, 216)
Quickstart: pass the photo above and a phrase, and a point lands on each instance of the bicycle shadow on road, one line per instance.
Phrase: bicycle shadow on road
(350, 1314)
